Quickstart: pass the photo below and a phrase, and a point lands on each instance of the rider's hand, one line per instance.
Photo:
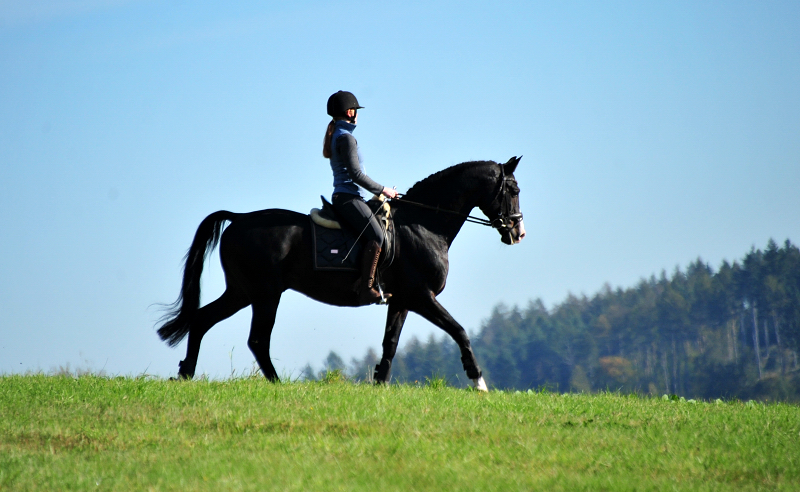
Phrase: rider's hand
(389, 192)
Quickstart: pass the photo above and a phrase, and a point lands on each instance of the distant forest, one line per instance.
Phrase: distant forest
(698, 333)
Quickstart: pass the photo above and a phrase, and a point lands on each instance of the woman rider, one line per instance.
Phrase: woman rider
(342, 149)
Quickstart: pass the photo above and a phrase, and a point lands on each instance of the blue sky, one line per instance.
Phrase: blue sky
(652, 134)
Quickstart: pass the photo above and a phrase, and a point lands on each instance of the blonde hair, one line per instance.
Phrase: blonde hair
(326, 144)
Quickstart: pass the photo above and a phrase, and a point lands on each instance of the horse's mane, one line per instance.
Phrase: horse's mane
(432, 185)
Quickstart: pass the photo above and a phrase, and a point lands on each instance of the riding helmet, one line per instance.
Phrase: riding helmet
(340, 102)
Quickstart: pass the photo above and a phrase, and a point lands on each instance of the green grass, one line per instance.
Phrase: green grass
(98, 433)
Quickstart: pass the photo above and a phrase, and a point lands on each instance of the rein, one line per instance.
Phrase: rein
(469, 218)
(500, 222)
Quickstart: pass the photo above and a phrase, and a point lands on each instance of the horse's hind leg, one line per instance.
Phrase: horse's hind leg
(260, 333)
(226, 306)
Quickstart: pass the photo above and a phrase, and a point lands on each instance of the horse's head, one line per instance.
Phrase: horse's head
(503, 207)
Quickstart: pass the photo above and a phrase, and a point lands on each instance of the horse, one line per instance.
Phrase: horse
(264, 253)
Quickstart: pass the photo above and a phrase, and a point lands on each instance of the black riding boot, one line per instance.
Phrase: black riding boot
(368, 294)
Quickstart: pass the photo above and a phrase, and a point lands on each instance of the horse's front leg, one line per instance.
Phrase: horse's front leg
(431, 310)
(394, 325)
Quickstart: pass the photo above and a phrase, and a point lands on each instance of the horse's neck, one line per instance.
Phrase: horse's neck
(454, 204)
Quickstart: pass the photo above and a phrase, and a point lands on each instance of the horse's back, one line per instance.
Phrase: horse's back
(267, 235)
(271, 217)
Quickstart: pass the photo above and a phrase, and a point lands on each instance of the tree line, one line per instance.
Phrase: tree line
(699, 333)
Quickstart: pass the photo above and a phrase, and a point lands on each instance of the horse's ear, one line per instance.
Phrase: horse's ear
(511, 165)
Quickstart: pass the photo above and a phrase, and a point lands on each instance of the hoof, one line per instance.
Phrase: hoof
(480, 385)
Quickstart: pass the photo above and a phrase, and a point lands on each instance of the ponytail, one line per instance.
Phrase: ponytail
(326, 145)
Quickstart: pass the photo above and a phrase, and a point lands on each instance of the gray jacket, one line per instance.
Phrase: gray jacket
(348, 174)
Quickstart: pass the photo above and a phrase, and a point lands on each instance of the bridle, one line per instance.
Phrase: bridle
(504, 221)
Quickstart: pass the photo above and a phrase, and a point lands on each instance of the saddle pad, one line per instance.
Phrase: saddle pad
(331, 246)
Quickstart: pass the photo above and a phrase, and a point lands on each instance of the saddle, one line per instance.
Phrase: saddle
(336, 248)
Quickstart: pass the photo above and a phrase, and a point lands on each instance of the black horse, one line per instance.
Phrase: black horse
(264, 253)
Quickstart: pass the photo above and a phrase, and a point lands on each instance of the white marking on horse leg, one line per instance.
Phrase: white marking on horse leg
(479, 384)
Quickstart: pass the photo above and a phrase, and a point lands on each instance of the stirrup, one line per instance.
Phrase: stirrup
(384, 297)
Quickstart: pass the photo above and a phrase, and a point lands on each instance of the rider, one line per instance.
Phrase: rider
(342, 149)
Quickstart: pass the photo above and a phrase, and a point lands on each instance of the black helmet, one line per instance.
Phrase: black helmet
(339, 103)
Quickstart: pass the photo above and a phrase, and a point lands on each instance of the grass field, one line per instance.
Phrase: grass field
(98, 433)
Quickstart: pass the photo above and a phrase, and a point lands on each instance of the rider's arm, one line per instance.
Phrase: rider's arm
(347, 148)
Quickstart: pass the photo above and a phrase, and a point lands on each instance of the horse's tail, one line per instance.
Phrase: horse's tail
(177, 320)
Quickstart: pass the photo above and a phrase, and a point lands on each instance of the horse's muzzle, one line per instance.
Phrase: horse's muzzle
(517, 232)
(520, 231)
(512, 234)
